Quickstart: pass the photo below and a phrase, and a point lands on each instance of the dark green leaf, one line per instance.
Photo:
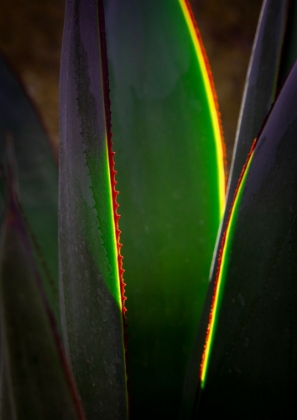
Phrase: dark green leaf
(252, 367)
(89, 272)
(36, 382)
(36, 173)
(289, 49)
(260, 87)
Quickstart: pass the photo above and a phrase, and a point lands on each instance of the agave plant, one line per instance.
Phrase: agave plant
(137, 331)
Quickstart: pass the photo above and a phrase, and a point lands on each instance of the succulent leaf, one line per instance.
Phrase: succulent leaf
(259, 95)
(37, 176)
(253, 356)
(261, 83)
(91, 301)
(36, 381)
(169, 159)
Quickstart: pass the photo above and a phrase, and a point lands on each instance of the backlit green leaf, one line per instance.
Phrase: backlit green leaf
(259, 95)
(168, 148)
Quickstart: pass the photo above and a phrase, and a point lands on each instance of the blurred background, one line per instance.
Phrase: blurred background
(31, 35)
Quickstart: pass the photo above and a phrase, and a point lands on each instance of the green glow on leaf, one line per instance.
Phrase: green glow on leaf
(211, 99)
(222, 269)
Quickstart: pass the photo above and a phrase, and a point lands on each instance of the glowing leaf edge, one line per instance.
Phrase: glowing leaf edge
(221, 270)
(211, 98)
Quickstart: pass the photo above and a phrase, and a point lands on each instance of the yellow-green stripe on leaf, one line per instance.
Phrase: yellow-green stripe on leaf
(252, 363)
(170, 177)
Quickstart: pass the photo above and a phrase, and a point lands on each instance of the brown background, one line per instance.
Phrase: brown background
(31, 33)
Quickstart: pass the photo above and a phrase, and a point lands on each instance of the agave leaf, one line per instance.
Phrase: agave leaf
(36, 382)
(259, 95)
(289, 49)
(89, 271)
(168, 148)
(260, 87)
(251, 366)
(37, 176)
